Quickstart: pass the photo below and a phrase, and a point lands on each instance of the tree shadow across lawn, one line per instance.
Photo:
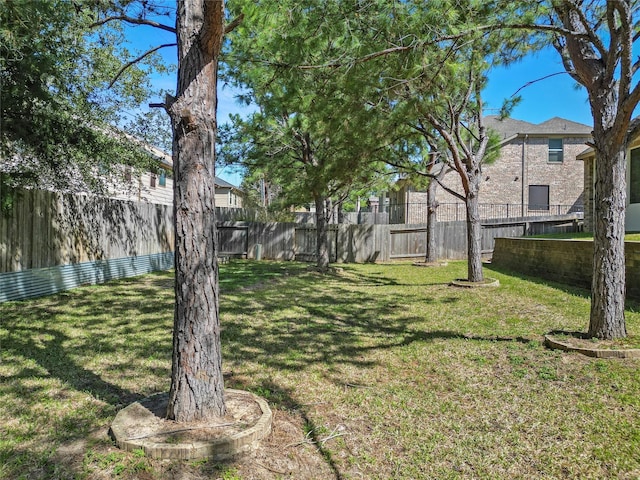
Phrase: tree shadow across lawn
(308, 321)
(60, 332)
(66, 366)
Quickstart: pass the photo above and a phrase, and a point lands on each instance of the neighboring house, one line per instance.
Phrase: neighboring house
(632, 217)
(157, 186)
(227, 195)
(537, 171)
(148, 186)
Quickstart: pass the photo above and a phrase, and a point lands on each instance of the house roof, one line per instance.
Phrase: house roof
(223, 184)
(509, 128)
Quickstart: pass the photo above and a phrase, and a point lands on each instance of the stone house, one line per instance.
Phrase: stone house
(537, 172)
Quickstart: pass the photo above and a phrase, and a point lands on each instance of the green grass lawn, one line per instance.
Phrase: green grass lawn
(393, 372)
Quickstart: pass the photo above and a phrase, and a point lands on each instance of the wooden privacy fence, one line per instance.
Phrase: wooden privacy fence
(373, 243)
(51, 242)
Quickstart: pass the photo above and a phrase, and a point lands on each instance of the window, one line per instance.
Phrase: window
(127, 174)
(634, 176)
(555, 150)
(152, 181)
(538, 197)
(162, 179)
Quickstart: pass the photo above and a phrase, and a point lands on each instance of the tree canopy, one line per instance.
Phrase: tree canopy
(58, 104)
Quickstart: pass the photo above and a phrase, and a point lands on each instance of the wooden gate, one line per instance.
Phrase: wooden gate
(233, 241)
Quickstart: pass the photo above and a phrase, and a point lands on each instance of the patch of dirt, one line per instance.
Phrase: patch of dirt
(430, 264)
(465, 283)
(285, 453)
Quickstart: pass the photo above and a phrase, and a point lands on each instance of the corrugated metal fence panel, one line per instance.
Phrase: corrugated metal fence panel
(38, 282)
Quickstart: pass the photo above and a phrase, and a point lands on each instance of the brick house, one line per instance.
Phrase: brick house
(537, 172)
(632, 217)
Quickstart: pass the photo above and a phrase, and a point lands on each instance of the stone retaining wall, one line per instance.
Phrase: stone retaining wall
(564, 261)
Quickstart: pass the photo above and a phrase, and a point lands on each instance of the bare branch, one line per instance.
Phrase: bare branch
(134, 21)
(528, 84)
(136, 60)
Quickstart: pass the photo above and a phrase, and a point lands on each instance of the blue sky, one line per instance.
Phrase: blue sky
(556, 96)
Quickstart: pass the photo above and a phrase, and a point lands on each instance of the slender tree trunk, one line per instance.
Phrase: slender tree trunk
(197, 390)
(322, 234)
(432, 220)
(342, 217)
(474, 233)
(607, 319)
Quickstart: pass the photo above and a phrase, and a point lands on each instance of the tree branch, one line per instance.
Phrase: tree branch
(444, 38)
(236, 21)
(134, 21)
(528, 84)
(136, 60)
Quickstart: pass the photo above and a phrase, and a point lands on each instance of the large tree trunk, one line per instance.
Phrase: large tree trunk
(474, 235)
(608, 285)
(432, 220)
(197, 390)
(322, 235)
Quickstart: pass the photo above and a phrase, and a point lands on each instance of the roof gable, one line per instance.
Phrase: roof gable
(510, 127)
(507, 127)
(562, 126)
(221, 183)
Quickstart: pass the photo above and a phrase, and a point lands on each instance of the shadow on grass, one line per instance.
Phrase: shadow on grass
(282, 398)
(59, 333)
(325, 321)
(281, 316)
(563, 287)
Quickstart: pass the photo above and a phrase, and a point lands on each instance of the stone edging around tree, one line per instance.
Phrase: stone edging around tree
(141, 426)
(591, 352)
(487, 282)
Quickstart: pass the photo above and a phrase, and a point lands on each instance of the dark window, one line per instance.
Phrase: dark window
(152, 182)
(538, 197)
(127, 174)
(634, 176)
(555, 150)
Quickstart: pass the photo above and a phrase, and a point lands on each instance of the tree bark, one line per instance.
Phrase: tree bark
(474, 232)
(322, 234)
(607, 319)
(607, 76)
(197, 389)
(432, 221)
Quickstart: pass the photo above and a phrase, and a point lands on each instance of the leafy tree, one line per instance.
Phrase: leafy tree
(55, 115)
(432, 62)
(314, 133)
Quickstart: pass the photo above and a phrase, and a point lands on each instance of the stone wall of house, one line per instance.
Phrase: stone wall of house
(588, 194)
(503, 180)
(565, 261)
